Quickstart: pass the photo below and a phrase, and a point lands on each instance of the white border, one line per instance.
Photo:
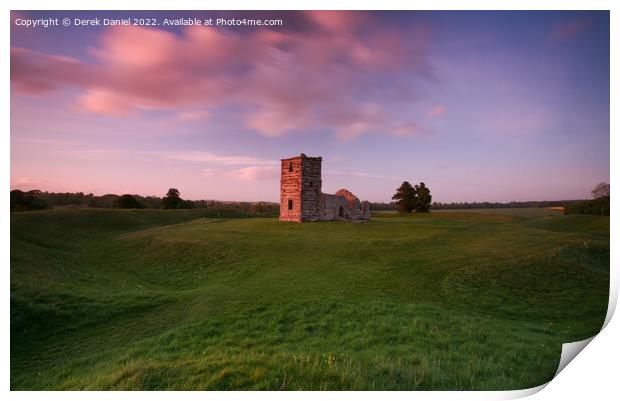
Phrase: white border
(593, 374)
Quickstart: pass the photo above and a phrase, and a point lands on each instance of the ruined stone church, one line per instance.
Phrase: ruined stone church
(301, 198)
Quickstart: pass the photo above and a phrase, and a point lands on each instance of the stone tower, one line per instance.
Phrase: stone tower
(300, 188)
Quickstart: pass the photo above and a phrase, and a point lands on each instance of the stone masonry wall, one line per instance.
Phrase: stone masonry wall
(343, 206)
(301, 198)
(310, 188)
(290, 189)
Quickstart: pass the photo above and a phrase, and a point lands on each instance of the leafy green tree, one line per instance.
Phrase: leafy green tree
(18, 200)
(405, 198)
(424, 198)
(23, 201)
(151, 202)
(172, 200)
(598, 206)
(128, 202)
(186, 204)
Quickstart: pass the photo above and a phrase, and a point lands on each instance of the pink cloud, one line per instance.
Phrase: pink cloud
(26, 183)
(276, 121)
(356, 120)
(569, 29)
(214, 159)
(193, 116)
(287, 81)
(35, 73)
(106, 102)
(250, 173)
(436, 111)
(255, 173)
(409, 129)
(338, 21)
(136, 47)
(362, 175)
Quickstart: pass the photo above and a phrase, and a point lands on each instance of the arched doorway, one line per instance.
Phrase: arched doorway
(340, 211)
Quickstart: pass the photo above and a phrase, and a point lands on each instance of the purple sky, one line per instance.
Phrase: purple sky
(481, 106)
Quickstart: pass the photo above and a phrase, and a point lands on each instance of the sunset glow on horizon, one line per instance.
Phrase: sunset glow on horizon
(481, 106)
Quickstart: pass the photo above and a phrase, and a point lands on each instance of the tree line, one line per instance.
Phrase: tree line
(36, 200)
(500, 205)
(378, 206)
(598, 205)
(407, 199)
(417, 198)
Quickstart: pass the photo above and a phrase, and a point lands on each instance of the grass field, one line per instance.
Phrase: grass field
(529, 212)
(148, 299)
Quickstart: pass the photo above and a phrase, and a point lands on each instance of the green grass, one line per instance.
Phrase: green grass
(523, 212)
(117, 299)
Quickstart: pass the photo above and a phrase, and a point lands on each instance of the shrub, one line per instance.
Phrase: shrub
(127, 201)
(22, 201)
(598, 206)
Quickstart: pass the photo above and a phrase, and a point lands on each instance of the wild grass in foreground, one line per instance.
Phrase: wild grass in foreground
(113, 299)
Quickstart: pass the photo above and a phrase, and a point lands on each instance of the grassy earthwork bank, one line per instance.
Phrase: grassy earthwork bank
(198, 299)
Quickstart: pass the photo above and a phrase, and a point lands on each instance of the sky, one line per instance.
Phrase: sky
(481, 106)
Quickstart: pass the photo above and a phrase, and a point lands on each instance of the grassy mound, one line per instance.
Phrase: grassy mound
(147, 299)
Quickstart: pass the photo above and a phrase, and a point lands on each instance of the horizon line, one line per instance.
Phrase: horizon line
(276, 202)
